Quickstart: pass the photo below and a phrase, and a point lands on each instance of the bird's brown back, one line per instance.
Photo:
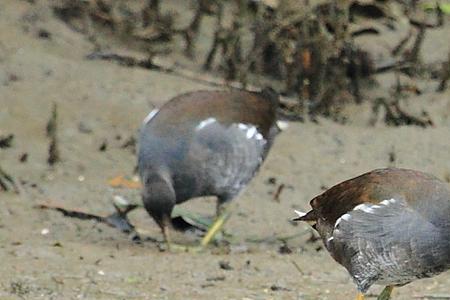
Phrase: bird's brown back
(227, 107)
(419, 189)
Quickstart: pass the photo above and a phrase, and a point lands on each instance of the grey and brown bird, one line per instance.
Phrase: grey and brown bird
(204, 143)
(388, 226)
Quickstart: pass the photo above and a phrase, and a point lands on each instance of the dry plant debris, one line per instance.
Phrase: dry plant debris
(6, 140)
(306, 49)
(51, 129)
(7, 182)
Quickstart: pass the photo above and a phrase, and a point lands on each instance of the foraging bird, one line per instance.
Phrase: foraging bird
(388, 226)
(204, 143)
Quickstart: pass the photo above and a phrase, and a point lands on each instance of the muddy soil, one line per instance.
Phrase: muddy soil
(44, 255)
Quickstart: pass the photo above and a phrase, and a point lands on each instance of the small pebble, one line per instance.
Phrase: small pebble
(225, 265)
(23, 157)
(84, 128)
(44, 34)
(120, 201)
(103, 146)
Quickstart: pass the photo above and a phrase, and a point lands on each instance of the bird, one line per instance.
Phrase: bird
(388, 226)
(204, 143)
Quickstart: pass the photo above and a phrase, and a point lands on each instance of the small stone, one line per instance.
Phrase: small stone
(6, 141)
(23, 157)
(271, 180)
(103, 146)
(225, 265)
(284, 249)
(44, 34)
(84, 128)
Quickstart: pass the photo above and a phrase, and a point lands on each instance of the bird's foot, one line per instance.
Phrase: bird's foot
(179, 248)
(360, 296)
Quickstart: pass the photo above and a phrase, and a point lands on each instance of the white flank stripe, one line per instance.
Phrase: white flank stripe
(251, 132)
(205, 123)
(283, 125)
(150, 116)
(364, 207)
(344, 217)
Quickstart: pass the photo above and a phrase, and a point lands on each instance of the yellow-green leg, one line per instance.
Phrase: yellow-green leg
(215, 227)
(360, 296)
(386, 293)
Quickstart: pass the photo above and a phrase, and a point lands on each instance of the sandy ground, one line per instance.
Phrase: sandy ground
(101, 101)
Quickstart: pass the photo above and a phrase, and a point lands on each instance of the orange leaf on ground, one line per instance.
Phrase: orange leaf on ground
(120, 181)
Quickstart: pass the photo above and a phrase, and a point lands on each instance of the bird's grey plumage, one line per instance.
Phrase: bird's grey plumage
(388, 226)
(389, 243)
(220, 158)
(204, 143)
(228, 156)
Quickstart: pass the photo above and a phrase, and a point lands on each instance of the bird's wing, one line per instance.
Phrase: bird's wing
(231, 154)
(386, 242)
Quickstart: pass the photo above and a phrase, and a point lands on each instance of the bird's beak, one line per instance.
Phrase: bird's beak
(309, 217)
(300, 215)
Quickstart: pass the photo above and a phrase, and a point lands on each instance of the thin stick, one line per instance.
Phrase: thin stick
(433, 296)
(7, 182)
(159, 64)
(297, 267)
(117, 220)
(277, 194)
(445, 75)
(53, 150)
(275, 239)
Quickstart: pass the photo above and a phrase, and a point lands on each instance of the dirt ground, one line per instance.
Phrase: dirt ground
(44, 255)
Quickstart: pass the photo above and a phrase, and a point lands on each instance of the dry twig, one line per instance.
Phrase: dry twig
(7, 182)
(52, 125)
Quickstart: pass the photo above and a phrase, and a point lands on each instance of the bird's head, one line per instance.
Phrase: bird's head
(159, 199)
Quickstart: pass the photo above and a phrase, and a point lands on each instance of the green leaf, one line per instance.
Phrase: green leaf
(430, 6)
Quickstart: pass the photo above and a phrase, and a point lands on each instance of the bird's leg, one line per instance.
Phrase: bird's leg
(165, 231)
(386, 293)
(215, 227)
(360, 296)
(223, 213)
(166, 227)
